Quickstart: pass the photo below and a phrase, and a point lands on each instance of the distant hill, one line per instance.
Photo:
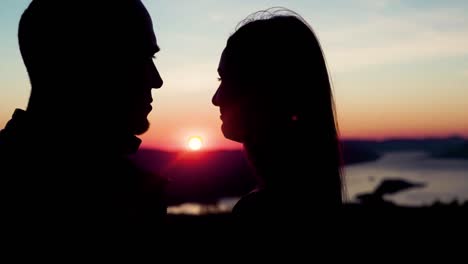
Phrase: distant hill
(457, 152)
(430, 145)
(202, 177)
(356, 152)
(205, 177)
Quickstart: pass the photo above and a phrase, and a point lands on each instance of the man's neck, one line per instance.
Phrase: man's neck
(59, 131)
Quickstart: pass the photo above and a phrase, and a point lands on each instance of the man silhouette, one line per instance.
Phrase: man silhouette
(64, 162)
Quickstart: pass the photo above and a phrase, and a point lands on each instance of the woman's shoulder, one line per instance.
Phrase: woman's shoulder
(255, 203)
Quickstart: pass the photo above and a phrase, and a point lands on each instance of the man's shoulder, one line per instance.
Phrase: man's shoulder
(11, 152)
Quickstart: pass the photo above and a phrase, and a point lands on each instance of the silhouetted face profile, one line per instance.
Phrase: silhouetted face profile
(140, 76)
(275, 97)
(242, 98)
(269, 70)
(132, 73)
(232, 101)
(93, 62)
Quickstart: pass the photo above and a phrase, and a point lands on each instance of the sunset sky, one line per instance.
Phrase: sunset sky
(400, 68)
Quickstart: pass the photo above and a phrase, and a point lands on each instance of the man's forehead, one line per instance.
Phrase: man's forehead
(142, 30)
(154, 42)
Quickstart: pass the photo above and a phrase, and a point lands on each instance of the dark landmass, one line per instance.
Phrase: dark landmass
(200, 177)
(458, 152)
(362, 213)
(430, 145)
(354, 152)
(207, 176)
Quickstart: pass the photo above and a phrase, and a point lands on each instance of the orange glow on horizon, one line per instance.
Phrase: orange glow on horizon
(170, 129)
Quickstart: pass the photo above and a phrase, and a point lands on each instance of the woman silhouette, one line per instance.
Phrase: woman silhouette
(275, 98)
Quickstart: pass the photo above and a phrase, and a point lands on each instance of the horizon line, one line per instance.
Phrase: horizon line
(240, 148)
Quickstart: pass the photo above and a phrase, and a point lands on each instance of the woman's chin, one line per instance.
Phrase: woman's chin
(232, 134)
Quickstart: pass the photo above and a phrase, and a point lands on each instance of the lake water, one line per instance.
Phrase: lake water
(445, 180)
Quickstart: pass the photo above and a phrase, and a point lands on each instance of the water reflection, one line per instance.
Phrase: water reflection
(223, 206)
(443, 180)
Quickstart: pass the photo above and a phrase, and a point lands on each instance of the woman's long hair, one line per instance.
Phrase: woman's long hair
(284, 63)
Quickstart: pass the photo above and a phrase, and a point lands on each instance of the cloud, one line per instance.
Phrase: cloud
(217, 17)
(378, 4)
(399, 38)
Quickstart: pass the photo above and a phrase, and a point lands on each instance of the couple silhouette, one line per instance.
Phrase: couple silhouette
(65, 160)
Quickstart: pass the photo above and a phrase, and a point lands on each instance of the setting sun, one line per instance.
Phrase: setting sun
(195, 143)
